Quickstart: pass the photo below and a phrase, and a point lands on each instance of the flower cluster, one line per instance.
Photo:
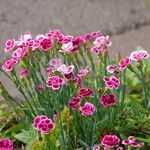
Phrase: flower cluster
(91, 87)
(43, 124)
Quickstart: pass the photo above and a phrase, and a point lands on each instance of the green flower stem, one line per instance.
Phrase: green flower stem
(62, 139)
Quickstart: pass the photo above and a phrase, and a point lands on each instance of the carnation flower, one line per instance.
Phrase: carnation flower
(77, 80)
(9, 65)
(40, 87)
(56, 63)
(55, 82)
(6, 144)
(24, 72)
(102, 41)
(112, 82)
(110, 141)
(123, 64)
(139, 55)
(87, 109)
(66, 69)
(96, 147)
(46, 43)
(67, 47)
(43, 124)
(111, 68)
(9, 45)
(131, 141)
(83, 72)
(19, 53)
(86, 92)
(75, 102)
(108, 100)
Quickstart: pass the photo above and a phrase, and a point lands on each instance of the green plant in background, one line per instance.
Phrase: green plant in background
(75, 95)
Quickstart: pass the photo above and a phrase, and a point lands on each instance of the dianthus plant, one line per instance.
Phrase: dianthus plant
(73, 95)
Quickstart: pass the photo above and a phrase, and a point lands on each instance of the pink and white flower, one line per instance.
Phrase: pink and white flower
(19, 53)
(139, 55)
(67, 47)
(6, 144)
(43, 124)
(96, 147)
(87, 109)
(103, 41)
(111, 68)
(131, 141)
(85, 92)
(9, 65)
(56, 63)
(110, 141)
(66, 69)
(123, 63)
(9, 45)
(83, 72)
(111, 82)
(55, 82)
(108, 100)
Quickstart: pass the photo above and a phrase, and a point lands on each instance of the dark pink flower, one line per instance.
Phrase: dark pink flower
(43, 124)
(110, 141)
(85, 92)
(6, 144)
(139, 55)
(9, 65)
(112, 82)
(131, 141)
(87, 109)
(46, 43)
(75, 102)
(24, 73)
(111, 68)
(123, 64)
(40, 87)
(55, 82)
(77, 80)
(108, 100)
(9, 45)
(96, 34)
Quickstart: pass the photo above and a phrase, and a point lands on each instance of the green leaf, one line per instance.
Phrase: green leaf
(27, 137)
(138, 105)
